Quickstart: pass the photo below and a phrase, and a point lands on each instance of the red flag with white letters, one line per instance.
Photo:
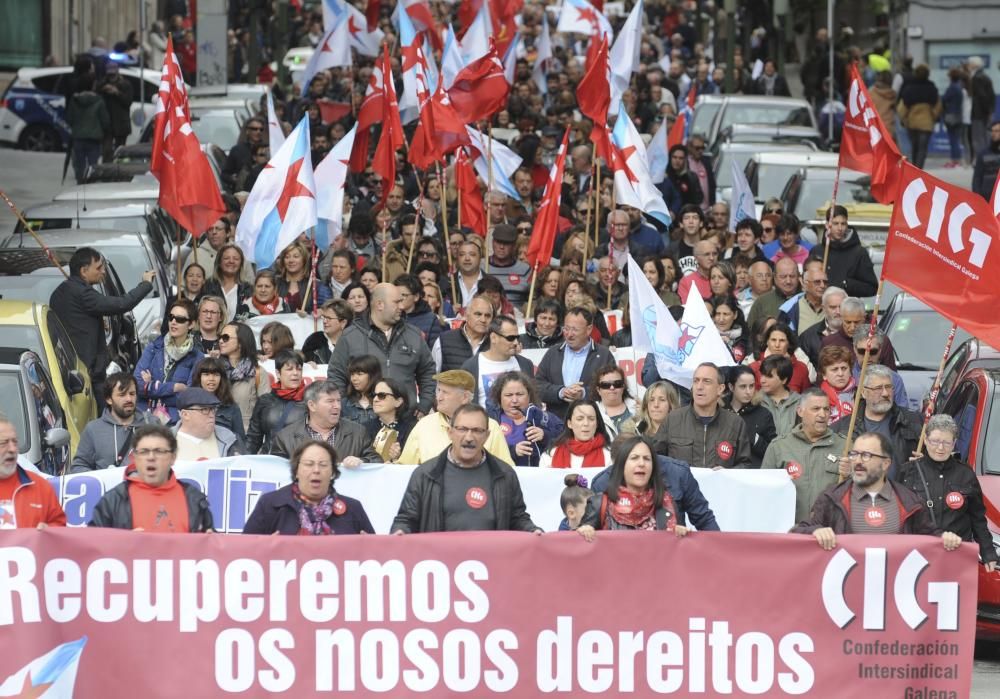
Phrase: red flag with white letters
(866, 145)
(944, 248)
(189, 191)
(543, 234)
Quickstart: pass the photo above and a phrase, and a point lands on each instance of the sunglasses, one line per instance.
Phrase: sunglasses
(225, 337)
(178, 319)
(609, 385)
(775, 211)
(382, 395)
(510, 338)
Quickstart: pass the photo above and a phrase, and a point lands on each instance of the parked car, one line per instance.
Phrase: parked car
(33, 326)
(757, 109)
(217, 120)
(726, 153)
(152, 222)
(144, 189)
(768, 171)
(965, 356)
(32, 111)
(31, 405)
(771, 134)
(28, 275)
(135, 163)
(975, 405)
(918, 335)
(130, 253)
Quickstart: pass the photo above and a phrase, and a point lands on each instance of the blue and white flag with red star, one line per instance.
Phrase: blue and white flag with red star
(52, 676)
(633, 183)
(282, 203)
(363, 41)
(331, 178)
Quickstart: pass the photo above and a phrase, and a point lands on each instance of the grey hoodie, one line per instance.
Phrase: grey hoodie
(103, 440)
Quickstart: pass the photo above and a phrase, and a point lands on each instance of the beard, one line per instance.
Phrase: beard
(121, 412)
(881, 407)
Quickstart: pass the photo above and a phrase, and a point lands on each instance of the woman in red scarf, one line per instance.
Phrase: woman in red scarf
(636, 497)
(265, 300)
(279, 408)
(838, 384)
(584, 441)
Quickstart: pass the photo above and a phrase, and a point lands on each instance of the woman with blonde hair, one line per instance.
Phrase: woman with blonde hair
(660, 398)
(292, 268)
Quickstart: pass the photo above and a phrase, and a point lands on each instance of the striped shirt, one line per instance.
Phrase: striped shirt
(875, 514)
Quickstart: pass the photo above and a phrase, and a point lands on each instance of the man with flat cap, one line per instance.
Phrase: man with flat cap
(198, 437)
(504, 265)
(430, 435)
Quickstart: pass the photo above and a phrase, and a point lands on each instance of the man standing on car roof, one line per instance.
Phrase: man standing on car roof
(82, 308)
(117, 94)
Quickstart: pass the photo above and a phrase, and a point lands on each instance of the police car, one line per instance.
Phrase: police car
(33, 107)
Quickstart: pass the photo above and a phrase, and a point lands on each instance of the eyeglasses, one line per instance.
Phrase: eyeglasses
(225, 337)
(178, 319)
(509, 338)
(611, 385)
(332, 319)
(774, 211)
(865, 456)
(887, 388)
(159, 451)
(382, 395)
(209, 312)
(474, 431)
(204, 409)
(940, 442)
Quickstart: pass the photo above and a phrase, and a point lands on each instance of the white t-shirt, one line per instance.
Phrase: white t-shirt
(490, 371)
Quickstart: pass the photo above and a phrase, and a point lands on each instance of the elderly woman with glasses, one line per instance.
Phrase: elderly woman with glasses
(166, 364)
(310, 505)
(950, 488)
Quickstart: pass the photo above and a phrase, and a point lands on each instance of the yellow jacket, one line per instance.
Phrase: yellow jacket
(429, 437)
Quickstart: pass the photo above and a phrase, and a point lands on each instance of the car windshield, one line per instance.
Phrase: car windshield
(772, 178)
(988, 456)
(765, 114)
(14, 408)
(703, 116)
(815, 192)
(917, 338)
(216, 127)
(129, 263)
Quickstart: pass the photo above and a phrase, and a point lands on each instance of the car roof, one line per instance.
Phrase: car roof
(102, 209)
(763, 99)
(17, 312)
(68, 237)
(107, 191)
(775, 147)
(774, 129)
(817, 159)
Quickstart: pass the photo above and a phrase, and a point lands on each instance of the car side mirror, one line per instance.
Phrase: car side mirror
(173, 253)
(76, 383)
(57, 438)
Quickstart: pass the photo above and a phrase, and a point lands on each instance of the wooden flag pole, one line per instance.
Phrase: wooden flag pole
(936, 386)
(489, 195)
(861, 376)
(829, 218)
(444, 218)
(597, 211)
(46, 248)
(590, 206)
(180, 280)
(531, 291)
(385, 252)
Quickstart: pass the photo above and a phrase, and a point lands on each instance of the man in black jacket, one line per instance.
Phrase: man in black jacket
(81, 308)
(567, 370)
(983, 103)
(848, 266)
(464, 488)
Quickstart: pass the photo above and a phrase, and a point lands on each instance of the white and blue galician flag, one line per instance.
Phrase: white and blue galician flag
(741, 202)
(580, 17)
(282, 203)
(333, 51)
(451, 58)
(505, 161)
(52, 676)
(633, 184)
(658, 153)
(677, 349)
(331, 177)
(365, 42)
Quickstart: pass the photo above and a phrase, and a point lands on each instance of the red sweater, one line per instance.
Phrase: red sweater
(800, 375)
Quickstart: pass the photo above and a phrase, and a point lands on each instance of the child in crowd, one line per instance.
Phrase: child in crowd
(573, 501)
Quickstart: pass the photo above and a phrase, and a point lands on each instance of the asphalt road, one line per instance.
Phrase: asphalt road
(33, 178)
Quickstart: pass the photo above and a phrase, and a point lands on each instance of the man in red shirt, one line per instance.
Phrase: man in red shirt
(26, 499)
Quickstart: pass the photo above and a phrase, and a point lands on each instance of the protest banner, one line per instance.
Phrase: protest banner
(484, 614)
(744, 501)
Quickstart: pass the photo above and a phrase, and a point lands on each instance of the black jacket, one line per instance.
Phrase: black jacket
(904, 430)
(724, 442)
(984, 174)
(81, 308)
(424, 320)
(811, 341)
(456, 349)
(422, 508)
(114, 510)
(831, 510)
(350, 439)
(530, 339)
(850, 267)
(965, 515)
(270, 415)
(687, 186)
(550, 379)
(983, 97)
(760, 430)
(278, 512)
(316, 348)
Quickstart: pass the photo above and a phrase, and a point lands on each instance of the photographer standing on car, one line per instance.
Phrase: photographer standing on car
(82, 308)
(117, 94)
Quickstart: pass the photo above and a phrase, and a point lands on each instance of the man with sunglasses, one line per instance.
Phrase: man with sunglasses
(868, 502)
(700, 165)
(878, 412)
(498, 358)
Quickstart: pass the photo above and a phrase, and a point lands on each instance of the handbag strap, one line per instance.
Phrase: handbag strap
(927, 493)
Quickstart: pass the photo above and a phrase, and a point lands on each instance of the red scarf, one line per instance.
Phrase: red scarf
(161, 509)
(293, 394)
(267, 309)
(592, 452)
(633, 510)
(838, 408)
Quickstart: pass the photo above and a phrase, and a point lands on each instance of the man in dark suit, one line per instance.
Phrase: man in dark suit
(566, 370)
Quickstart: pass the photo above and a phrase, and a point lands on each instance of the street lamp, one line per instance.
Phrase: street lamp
(730, 8)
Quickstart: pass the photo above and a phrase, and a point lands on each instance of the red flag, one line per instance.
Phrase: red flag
(504, 22)
(391, 140)
(370, 112)
(944, 248)
(188, 189)
(543, 234)
(472, 213)
(480, 89)
(467, 11)
(600, 136)
(439, 131)
(593, 94)
(865, 144)
(995, 198)
(676, 134)
(692, 96)
(372, 12)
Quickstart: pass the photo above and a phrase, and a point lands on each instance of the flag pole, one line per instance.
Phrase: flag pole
(531, 291)
(416, 233)
(489, 193)
(590, 206)
(180, 280)
(936, 386)
(829, 218)
(444, 218)
(31, 232)
(861, 376)
(597, 209)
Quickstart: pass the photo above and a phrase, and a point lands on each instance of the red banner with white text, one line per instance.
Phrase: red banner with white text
(471, 614)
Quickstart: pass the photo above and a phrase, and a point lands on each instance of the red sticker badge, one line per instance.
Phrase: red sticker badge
(514, 278)
(954, 500)
(475, 498)
(794, 470)
(506, 428)
(339, 507)
(724, 450)
(875, 516)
